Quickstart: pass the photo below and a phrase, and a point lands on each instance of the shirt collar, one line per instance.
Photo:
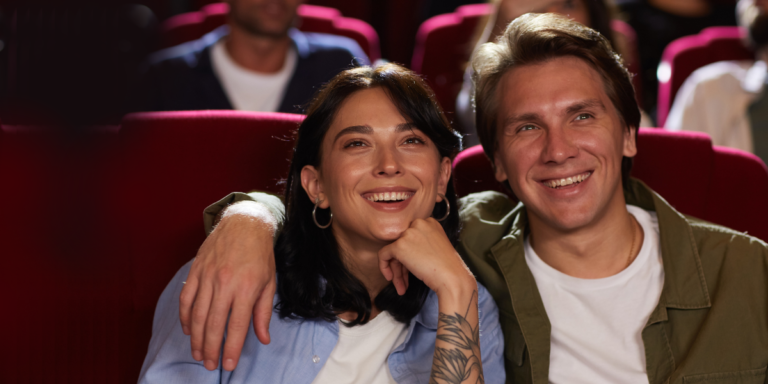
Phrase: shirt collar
(755, 77)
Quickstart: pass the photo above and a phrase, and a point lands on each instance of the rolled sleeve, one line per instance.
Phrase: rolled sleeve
(271, 202)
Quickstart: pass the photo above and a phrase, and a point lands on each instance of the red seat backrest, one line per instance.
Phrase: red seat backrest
(171, 165)
(193, 25)
(444, 44)
(68, 303)
(721, 185)
(686, 54)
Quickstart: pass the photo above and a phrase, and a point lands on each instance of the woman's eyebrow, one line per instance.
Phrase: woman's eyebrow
(364, 129)
(406, 127)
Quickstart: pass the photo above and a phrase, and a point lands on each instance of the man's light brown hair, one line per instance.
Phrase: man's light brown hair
(537, 38)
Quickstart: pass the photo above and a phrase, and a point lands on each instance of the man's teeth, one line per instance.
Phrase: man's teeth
(390, 196)
(568, 180)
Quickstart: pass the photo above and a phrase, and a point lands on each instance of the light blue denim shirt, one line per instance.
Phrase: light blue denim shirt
(299, 348)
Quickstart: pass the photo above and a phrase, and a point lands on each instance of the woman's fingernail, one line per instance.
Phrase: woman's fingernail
(210, 365)
(185, 329)
(229, 365)
(197, 355)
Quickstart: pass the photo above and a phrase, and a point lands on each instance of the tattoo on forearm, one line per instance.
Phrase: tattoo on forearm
(459, 363)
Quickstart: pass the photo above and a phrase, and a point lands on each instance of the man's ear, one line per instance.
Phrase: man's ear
(630, 142)
(310, 181)
(446, 166)
(498, 168)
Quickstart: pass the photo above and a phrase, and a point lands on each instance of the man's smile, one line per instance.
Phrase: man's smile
(562, 182)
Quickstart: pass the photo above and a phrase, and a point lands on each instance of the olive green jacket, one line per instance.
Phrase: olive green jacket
(711, 323)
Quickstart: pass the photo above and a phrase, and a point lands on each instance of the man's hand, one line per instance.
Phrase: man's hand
(234, 270)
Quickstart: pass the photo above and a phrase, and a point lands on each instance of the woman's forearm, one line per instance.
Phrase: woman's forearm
(457, 346)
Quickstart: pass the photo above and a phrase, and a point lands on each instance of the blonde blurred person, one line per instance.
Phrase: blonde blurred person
(596, 14)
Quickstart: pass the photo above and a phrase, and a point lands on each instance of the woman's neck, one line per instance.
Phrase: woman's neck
(361, 258)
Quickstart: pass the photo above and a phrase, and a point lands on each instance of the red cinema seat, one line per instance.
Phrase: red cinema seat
(686, 54)
(169, 166)
(721, 185)
(193, 25)
(67, 303)
(444, 44)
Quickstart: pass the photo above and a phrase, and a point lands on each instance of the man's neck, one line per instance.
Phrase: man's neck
(600, 249)
(256, 53)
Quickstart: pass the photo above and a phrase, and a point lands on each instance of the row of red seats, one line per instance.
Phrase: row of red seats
(443, 46)
(96, 223)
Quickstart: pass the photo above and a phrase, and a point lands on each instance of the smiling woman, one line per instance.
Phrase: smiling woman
(370, 288)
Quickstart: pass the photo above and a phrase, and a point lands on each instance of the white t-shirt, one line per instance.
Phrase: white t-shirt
(248, 90)
(360, 356)
(597, 324)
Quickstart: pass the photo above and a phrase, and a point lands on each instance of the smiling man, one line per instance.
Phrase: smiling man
(597, 278)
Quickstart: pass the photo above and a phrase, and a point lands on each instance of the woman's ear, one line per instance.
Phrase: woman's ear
(445, 176)
(310, 181)
(630, 142)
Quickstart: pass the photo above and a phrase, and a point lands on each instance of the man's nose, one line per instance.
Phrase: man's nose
(559, 146)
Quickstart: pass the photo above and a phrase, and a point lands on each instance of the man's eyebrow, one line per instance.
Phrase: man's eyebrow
(364, 129)
(510, 120)
(585, 104)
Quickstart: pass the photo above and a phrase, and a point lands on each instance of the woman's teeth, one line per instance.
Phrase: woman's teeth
(389, 196)
(567, 181)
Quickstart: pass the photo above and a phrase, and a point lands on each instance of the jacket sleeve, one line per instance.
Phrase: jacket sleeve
(271, 202)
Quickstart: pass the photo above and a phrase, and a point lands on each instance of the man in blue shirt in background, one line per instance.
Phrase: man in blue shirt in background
(256, 62)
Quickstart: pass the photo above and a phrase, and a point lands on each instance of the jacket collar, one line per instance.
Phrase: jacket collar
(684, 284)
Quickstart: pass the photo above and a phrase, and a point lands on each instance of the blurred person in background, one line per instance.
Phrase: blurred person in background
(596, 14)
(727, 99)
(659, 22)
(256, 62)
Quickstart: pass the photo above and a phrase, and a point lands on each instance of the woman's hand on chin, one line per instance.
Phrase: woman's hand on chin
(424, 250)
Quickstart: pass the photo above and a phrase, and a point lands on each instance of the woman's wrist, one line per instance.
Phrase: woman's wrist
(457, 290)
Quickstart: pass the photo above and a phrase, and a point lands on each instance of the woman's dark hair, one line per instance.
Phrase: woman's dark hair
(313, 281)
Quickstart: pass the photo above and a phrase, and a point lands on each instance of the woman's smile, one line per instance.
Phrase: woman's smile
(389, 199)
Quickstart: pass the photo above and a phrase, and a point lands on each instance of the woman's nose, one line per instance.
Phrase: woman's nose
(388, 163)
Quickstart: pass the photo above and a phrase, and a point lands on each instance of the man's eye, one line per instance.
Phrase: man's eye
(356, 143)
(527, 128)
(583, 116)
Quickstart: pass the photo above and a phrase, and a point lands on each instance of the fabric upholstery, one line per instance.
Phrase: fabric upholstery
(99, 221)
(686, 54)
(721, 185)
(170, 166)
(193, 25)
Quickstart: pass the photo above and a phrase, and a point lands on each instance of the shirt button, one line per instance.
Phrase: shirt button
(315, 359)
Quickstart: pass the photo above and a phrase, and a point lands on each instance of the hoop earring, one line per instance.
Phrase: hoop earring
(317, 201)
(447, 207)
